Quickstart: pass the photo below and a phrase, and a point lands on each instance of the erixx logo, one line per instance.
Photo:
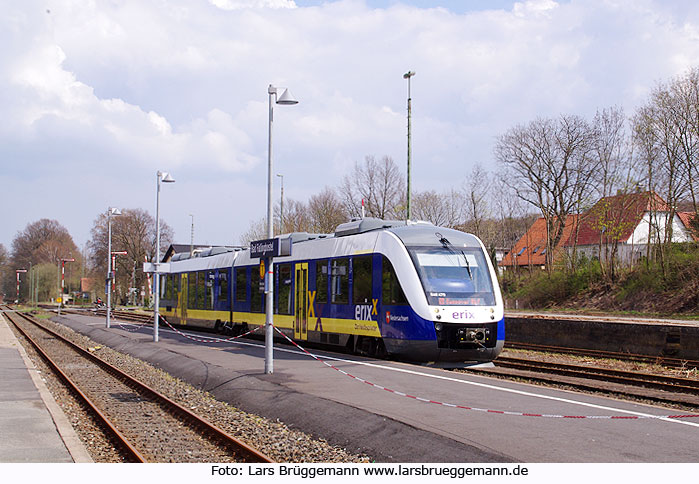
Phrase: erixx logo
(463, 315)
(364, 312)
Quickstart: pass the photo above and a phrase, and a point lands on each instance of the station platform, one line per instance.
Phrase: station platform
(33, 428)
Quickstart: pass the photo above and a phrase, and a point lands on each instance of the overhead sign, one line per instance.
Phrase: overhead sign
(162, 267)
(270, 248)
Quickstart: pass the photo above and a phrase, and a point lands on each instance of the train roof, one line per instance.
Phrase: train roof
(428, 234)
(411, 234)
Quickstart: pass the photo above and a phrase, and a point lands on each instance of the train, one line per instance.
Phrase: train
(381, 288)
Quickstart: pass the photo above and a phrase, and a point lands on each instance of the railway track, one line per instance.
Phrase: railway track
(661, 360)
(668, 390)
(148, 426)
(659, 382)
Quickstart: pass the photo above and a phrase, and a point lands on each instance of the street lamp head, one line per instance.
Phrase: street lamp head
(287, 98)
(113, 211)
(165, 177)
(408, 74)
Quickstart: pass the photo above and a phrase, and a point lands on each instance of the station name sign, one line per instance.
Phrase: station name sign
(277, 247)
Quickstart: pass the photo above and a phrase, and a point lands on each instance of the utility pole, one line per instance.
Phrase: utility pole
(407, 76)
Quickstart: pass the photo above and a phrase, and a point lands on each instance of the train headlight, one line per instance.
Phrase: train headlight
(438, 326)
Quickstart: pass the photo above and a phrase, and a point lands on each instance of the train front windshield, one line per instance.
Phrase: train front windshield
(453, 276)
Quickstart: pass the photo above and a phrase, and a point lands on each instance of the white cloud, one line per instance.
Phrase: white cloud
(534, 7)
(239, 4)
(182, 86)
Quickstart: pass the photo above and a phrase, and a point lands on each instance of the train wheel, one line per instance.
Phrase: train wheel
(372, 347)
(380, 349)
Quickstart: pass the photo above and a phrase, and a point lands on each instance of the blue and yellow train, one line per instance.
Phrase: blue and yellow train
(410, 290)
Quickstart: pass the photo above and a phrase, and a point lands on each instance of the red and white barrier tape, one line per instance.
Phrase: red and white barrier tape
(207, 340)
(475, 409)
(133, 327)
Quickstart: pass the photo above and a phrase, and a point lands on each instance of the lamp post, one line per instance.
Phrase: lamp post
(164, 177)
(191, 240)
(286, 99)
(281, 207)
(110, 211)
(407, 76)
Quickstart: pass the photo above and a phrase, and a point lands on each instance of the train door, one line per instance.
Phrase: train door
(301, 302)
(182, 299)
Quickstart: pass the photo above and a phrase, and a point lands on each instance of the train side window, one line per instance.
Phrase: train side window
(173, 286)
(284, 305)
(241, 284)
(201, 290)
(361, 280)
(255, 294)
(321, 282)
(167, 294)
(392, 293)
(192, 290)
(209, 290)
(340, 281)
(223, 286)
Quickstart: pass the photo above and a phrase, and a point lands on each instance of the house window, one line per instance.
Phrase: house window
(521, 251)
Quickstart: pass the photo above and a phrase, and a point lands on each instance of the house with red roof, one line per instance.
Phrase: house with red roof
(615, 228)
(620, 227)
(530, 250)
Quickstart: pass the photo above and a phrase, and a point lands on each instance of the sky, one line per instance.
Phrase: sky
(96, 97)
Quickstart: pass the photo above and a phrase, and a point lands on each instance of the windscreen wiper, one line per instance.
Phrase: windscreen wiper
(445, 242)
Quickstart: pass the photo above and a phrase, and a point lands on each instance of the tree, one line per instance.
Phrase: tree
(133, 232)
(4, 271)
(685, 92)
(549, 165)
(296, 217)
(610, 147)
(476, 195)
(379, 185)
(44, 242)
(647, 157)
(442, 209)
(326, 212)
(256, 231)
(666, 131)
